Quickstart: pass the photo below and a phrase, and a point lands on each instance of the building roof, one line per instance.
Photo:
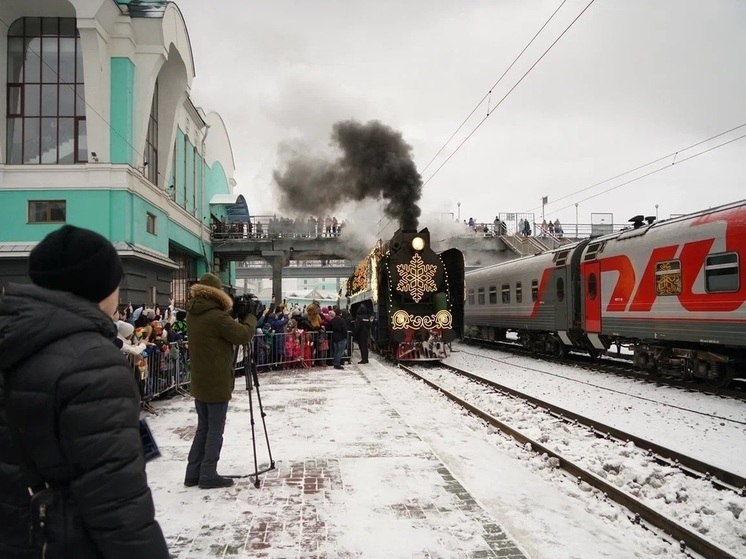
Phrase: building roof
(235, 206)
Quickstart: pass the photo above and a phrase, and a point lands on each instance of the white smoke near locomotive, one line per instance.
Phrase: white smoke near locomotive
(671, 292)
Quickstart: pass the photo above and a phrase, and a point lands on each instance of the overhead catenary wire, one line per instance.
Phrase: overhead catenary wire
(489, 93)
(490, 111)
(667, 166)
(667, 156)
(508, 93)
(674, 154)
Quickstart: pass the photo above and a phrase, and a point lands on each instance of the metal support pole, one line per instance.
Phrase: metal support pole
(576, 220)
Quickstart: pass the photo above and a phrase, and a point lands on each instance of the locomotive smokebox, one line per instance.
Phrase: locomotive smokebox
(410, 239)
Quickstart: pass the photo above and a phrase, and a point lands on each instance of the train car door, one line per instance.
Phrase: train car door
(562, 297)
(591, 279)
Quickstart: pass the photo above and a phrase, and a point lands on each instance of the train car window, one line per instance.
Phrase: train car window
(493, 294)
(480, 296)
(562, 258)
(518, 292)
(560, 289)
(668, 277)
(506, 292)
(591, 251)
(534, 290)
(721, 273)
(471, 297)
(592, 286)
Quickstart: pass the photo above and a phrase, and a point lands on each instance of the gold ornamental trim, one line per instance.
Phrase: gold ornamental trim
(402, 320)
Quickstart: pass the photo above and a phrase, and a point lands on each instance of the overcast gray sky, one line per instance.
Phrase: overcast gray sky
(629, 82)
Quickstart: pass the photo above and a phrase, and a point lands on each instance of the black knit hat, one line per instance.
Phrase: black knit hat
(78, 261)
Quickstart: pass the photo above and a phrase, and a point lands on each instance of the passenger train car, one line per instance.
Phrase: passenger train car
(413, 294)
(672, 292)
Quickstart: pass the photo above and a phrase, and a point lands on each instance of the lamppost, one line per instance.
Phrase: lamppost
(576, 220)
(459, 211)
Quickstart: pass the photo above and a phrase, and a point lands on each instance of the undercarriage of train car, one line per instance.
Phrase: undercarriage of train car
(717, 368)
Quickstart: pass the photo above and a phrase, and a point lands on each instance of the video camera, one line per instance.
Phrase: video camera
(246, 304)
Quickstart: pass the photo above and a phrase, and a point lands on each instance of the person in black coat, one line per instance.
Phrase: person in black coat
(338, 327)
(69, 410)
(362, 332)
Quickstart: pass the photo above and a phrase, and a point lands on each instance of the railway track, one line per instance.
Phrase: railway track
(615, 364)
(712, 478)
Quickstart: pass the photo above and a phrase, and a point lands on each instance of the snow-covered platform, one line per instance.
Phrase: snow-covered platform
(352, 478)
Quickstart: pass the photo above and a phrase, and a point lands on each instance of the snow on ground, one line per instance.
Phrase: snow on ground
(322, 414)
(709, 428)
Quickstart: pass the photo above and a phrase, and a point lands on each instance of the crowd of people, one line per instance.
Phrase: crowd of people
(312, 335)
(522, 228)
(279, 227)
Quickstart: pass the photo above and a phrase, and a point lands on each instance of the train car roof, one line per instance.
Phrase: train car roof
(629, 233)
(539, 259)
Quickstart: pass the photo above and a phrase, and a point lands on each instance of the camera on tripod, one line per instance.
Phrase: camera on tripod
(247, 304)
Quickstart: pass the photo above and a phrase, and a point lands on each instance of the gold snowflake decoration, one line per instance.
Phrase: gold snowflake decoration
(416, 278)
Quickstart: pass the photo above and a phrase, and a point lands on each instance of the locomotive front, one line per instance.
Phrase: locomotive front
(416, 296)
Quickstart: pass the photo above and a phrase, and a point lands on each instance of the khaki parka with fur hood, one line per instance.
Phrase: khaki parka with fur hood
(212, 335)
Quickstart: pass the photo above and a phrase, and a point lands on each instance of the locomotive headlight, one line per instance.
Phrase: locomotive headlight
(418, 243)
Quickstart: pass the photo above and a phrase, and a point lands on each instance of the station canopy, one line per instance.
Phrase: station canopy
(235, 207)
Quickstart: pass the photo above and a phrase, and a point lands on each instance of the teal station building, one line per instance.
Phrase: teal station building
(98, 130)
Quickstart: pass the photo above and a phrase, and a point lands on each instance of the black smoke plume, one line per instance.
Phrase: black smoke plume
(374, 163)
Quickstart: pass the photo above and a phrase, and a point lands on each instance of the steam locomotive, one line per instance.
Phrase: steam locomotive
(671, 292)
(414, 296)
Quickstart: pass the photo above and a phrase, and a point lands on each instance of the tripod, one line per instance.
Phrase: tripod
(252, 381)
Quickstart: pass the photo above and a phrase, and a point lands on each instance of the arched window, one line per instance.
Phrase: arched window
(151, 141)
(46, 95)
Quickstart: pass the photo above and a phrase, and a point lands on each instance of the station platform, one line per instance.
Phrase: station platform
(352, 477)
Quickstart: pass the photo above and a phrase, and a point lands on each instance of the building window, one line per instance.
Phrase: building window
(47, 211)
(45, 92)
(172, 191)
(151, 141)
(187, 145)
(721, 273)
(150, 223)
(480, 296)
(668, 278)
(194, 181)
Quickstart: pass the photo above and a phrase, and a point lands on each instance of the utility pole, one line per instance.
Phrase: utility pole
(459, 211)
(576, 220)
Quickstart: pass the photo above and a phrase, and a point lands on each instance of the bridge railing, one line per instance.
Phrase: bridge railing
(273, 227)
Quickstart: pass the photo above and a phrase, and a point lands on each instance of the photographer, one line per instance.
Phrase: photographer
(212, 335)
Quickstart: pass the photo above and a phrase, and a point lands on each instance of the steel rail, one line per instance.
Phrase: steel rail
(691, 540)
(618, 365)
(723, 479)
